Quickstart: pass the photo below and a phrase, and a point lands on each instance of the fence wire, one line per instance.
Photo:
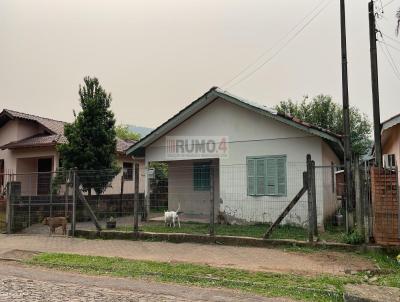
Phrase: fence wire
(240, 201)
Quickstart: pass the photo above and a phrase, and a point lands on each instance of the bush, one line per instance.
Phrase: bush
(353, 238)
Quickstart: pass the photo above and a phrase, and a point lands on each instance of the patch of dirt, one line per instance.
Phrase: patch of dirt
(17, 255)
(352, 262)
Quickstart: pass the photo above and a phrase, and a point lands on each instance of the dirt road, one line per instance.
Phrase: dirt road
(249, 258)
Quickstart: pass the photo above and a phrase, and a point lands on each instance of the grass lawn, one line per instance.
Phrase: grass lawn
(2, 221)
(318, 288)
(256, 230)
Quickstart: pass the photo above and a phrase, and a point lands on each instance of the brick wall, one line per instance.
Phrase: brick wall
(385, 206)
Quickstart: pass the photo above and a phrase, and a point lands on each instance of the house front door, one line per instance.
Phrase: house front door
(45, 166)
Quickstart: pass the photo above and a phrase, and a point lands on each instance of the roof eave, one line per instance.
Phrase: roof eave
(174, 121)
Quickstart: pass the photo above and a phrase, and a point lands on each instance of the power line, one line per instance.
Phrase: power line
(395, 70)
(388, 3)
(387, 53)
(283, 46)
(391, 38)
(390, 45)
(254, 62)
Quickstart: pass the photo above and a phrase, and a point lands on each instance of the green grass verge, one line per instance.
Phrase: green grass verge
(318, 288)
(321, 288)
(256, 230)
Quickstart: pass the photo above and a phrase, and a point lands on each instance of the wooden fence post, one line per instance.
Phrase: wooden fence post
(9, 206)
(314, 199)
(147, 197)
(212, 202)
(136, 201)
(73, 220)
(310, 200)
(359, 188)
(121, 195)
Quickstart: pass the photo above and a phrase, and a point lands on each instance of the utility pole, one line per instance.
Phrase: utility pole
(346, 116)
(375, 84)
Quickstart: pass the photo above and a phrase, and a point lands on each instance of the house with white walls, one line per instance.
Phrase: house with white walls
(247, 157)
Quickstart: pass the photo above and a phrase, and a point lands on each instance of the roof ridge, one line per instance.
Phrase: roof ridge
(36, 116)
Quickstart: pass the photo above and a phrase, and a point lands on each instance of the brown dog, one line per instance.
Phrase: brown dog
(56, 222)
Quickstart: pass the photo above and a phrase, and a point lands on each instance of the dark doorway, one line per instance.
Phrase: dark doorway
(45, 166)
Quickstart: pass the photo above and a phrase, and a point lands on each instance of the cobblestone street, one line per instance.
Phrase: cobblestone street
(21, 290)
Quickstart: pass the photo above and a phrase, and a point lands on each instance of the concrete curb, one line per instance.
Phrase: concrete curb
(223, 240)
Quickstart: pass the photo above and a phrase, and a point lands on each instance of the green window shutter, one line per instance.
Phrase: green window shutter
(251, 177)
(281, 169)
(201, 176)
(272, 181)
(260, 185)
(266, 175)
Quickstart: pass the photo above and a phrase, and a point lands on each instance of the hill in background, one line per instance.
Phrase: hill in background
(143, 131)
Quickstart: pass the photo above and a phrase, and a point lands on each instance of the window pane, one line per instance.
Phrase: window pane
(281, 166)
(251, 171)
(201, 176)
(272, 180)
(128, 171)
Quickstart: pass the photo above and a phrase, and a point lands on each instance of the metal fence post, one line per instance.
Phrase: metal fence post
(310, 200)
(73, 221)
(136, 201)
(212, 203)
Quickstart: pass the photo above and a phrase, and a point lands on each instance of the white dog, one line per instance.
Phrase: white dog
(170, 217)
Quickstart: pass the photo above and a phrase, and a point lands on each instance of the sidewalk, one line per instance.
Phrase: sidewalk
(248, 258)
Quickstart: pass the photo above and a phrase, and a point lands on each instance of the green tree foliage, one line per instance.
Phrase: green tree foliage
(322, 111)
(92, 139)
(123, 132)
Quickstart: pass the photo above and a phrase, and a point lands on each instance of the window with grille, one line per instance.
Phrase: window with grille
(201, 176)
(266, 176)
(128, 171)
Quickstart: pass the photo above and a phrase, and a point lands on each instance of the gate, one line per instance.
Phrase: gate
(385, 205)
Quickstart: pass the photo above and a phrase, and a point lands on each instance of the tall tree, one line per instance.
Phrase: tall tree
(92, 139)
(398, 22)
(123, 132)
(322, 111)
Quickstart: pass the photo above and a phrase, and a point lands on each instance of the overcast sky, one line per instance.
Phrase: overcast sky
(157, 56)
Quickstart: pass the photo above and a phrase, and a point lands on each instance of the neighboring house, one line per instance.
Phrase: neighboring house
(28, 146)
(263, 168)
(390, 136)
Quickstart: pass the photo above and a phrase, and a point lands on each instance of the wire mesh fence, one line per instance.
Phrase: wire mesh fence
(201, 197)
